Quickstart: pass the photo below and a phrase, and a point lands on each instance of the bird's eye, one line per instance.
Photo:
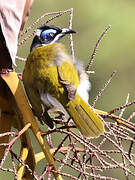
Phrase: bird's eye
(48, 35)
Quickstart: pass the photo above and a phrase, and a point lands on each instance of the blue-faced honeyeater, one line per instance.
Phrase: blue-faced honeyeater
(52, 79)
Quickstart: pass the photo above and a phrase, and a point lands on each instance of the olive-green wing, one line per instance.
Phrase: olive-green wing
(68, 76)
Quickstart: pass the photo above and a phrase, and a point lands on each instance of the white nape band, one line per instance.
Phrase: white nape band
(38, 32)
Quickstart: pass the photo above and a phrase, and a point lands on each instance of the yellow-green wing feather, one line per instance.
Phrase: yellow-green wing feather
(85, 118)
(68, 73)
(87, 121)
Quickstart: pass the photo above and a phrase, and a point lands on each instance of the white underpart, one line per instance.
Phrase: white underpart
(84, 83)
(83, 88)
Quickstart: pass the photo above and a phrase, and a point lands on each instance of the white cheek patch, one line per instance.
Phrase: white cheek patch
(56, 38)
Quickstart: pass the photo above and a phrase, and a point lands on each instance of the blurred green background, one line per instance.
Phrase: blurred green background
(116, 51)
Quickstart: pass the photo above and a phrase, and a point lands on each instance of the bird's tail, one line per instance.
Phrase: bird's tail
(85, 118)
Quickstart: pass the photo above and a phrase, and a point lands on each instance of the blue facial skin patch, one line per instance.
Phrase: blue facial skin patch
(48, 34)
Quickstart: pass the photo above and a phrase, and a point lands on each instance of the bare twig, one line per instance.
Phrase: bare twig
(121, 107)
(57, 14)
(104, 87)
(20, 59)
(96, 47)
(10, 144)
(70, 36)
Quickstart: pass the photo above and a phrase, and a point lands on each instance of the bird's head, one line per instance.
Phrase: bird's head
(49, 34)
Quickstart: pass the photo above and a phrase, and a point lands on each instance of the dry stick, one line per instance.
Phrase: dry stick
(38, 20)
(64, 160)
(104, 87)
(20, 58)
(111, 111)
(33, 174)
(55, 130)
(131, 116)
(115, 144)
(28, 37)
(8, 134)
(89, 175)
(122, 111)
(54, 17)
(120, 131)
(84, 163)
(14, 168)
(73, 167)
(116, 118)
(120, 141)
(89, 145)
(92, 166)
(70, 36)
(128, 138)
(121, 107)
(10, 144)
(7, 170)
(65, 174)
(49, 176)
(61, 150)
(61, 144)
(43, 16)
(66, 154)
(130, 149)
(122, 151)
(77, 156)
(44, 173)
(95, 49)
(132, 142)
(49, 140)
(123, 158)
(122, 121)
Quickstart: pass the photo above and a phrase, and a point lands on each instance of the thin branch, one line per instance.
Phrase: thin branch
(10, 144)
(57, 14)
(96, 47)
(70, 36)
(20, 59)
(121, 107)
(104, 87)
(122, 111)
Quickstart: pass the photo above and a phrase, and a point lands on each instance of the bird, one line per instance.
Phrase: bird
(54, 80)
